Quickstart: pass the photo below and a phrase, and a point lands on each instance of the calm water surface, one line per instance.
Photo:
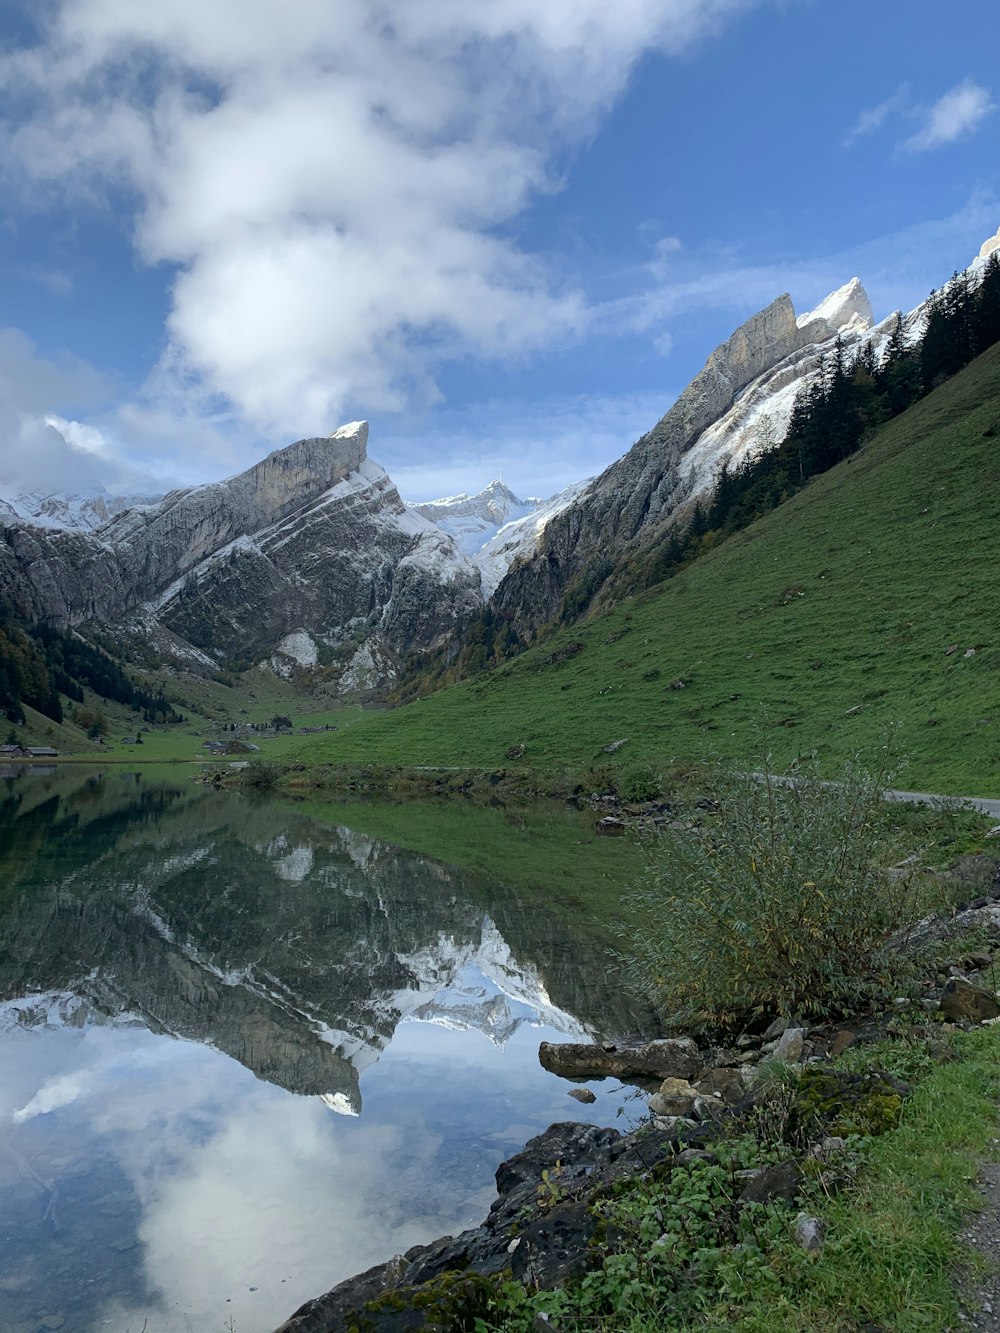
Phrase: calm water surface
(249, 1049)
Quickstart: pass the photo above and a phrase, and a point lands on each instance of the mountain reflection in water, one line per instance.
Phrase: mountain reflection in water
(176, 1181)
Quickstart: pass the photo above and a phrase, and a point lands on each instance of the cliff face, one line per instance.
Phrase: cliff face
(649, 484)
(312, 539)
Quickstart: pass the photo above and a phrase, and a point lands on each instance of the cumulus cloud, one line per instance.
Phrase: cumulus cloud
(958, 113)
(332, 184)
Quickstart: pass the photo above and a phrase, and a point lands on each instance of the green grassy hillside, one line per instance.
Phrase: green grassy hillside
(871, 597)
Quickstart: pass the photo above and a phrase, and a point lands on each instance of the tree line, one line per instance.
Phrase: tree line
(40, 665)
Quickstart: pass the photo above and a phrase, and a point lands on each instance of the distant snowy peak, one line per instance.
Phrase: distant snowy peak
(472, 520)
(495, 528)
(846, 309)
(521, 536)
(77, 513)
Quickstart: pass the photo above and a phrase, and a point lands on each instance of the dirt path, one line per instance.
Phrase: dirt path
(988, 807)
(981, 1305)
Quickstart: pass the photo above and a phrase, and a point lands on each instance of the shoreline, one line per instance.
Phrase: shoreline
(557, 1220)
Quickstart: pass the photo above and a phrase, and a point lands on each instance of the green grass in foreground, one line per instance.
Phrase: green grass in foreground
(854, 604)
(891, 1255)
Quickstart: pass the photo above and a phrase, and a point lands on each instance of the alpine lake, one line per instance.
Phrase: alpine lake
(250, 1046)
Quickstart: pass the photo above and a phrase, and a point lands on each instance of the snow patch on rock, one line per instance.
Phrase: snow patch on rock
(297, 649)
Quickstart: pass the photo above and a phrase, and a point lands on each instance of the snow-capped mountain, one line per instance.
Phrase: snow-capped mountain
(494, 528)
(311, 548)
(738, 405)
(520, 537)
(472, 520)
(79, 513)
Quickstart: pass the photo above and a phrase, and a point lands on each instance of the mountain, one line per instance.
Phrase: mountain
(310, 555)
(867, 600)
(738, 405)
(80, 513)
(495, 528)
(473, 519)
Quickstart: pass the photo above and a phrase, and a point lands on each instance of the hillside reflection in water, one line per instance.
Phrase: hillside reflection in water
(248, 1051)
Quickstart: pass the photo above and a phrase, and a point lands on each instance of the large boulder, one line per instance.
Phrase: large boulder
(673, 1057)
(962, 1001)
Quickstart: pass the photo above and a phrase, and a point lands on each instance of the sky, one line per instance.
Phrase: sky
(506, 234)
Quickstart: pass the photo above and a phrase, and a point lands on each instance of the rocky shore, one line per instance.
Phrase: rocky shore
(548, 1225)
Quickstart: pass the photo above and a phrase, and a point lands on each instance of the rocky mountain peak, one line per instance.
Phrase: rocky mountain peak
(848, 309)
(303, 470)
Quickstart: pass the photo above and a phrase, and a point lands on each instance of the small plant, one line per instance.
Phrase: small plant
(261, 774)
(550, 1192)
(770, 896)
(775, 1086)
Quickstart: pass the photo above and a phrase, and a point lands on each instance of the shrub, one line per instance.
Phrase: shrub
(767, 897)
(640, 782)
(261, 774)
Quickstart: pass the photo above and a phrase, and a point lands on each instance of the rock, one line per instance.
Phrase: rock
(610, 827)
(961, 1000)
(690, 1156)
(809, 1232)
(775, 1029)
(563, 1142)
(789, 1046)
(669, 1058)
(978, 960)
(674, 1124)
(708, 1108)
(675, 1097)
(941, 1050)
(780, 1181)
(582, 1094)
(840, 1103)
(841, 1041)
(726, 1083)
(827, 1147)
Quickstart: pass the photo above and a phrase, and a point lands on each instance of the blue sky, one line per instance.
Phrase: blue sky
(506, 234)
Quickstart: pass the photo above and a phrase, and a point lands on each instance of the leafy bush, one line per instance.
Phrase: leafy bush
(767, 897)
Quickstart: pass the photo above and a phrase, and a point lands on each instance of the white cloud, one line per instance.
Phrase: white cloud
(331, 182)
(875, 117)
(664, 343)
(956, 114)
